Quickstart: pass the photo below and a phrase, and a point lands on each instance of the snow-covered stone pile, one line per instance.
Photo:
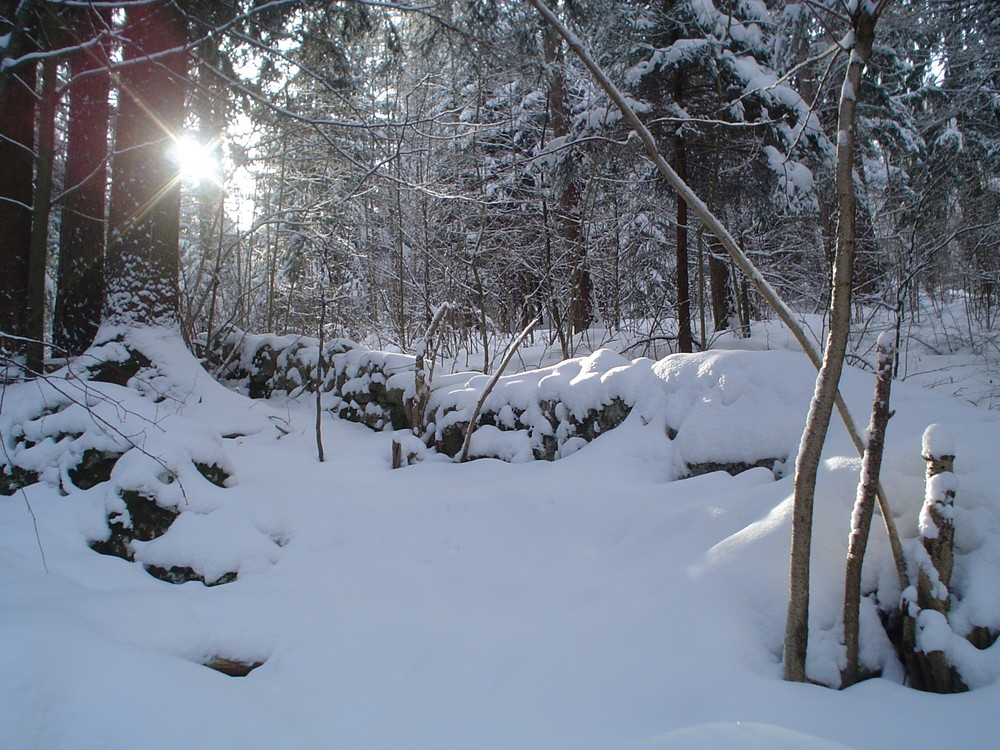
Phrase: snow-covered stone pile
(710, 403)
(128, 429)
(113, 431)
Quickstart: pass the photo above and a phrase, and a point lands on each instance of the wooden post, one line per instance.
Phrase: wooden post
(937, 524)
(929, 668)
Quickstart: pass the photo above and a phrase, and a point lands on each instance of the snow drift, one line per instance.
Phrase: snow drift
(591, 602)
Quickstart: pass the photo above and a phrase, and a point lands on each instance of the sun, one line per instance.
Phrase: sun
(197, 162)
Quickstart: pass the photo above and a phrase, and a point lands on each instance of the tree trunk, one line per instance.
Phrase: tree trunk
(861, 518)
(824, 397)
(320, 377)
(80, 292)
(722, 299)
(142, 264)
(17, 155)
(579, 313)
(937, 527)
(38, 250)
(928, 668)
(684, 338)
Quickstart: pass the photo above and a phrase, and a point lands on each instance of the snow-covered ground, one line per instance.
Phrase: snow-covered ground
(591, 602)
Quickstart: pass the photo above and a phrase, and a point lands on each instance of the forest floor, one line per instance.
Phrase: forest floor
(592, 602)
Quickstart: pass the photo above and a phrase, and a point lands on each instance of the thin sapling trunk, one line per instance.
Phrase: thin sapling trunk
(464, 456)
(320, 378)
(825, 395)
(861, 518)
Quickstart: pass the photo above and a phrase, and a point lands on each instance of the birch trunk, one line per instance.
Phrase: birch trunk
(38, 251)
(861, 518)
(825, 394)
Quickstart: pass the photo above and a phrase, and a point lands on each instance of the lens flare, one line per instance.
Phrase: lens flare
(197, 162)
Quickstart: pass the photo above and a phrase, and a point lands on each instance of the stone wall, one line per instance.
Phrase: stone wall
(377, 388)
(541, 414)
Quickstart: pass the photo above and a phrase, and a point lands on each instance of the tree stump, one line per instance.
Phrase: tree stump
(926, 619)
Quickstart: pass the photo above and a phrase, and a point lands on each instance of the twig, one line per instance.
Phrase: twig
(489, 388)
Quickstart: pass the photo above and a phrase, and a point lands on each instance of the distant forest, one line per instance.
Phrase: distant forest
(278, 166)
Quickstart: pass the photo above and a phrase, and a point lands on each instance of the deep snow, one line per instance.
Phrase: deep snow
(587, 603)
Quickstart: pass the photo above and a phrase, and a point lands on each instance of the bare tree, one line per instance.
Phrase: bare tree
(864, 506)
(859, 46)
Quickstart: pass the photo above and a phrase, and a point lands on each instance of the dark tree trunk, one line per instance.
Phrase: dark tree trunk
(17, 151)
(722, 299)
(684, 337)
(38, 250)
(81, 238)
(142, 263)
(579, 313)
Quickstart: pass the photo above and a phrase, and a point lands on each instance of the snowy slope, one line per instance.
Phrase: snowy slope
(586, 603)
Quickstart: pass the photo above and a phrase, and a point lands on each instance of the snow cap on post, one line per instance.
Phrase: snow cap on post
(887, 341)
(937, 443)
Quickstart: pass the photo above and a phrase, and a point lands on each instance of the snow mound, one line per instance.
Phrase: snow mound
(736, 407)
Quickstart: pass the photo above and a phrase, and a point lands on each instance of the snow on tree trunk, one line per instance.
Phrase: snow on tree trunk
(926, 619)
(818, 420)
(937, 526)
(142, 264)
(861, 518)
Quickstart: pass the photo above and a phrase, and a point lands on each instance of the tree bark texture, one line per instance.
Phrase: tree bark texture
(80, 292)
(861, 518)
(38, 250)
(722, 299)
(17, 157)
(929, 668)
(142, 263)
(579, 313)
(684, 337)
(937, 533)
(825, 394)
